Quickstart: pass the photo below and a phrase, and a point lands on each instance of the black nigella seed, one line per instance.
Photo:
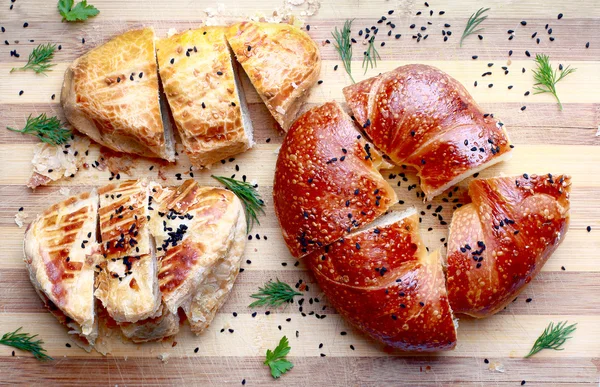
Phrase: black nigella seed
(589, 228)
(523, 23)
(474, 57)
(523, 108)
(25, 25)
(587, 45)
(560, 15)
(527, 53)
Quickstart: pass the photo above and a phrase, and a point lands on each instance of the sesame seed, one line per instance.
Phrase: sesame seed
(523, 23)
(589, 228)
(25, 25)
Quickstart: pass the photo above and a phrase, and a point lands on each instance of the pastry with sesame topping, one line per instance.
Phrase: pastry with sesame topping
(327, 180)
(500, 241)
(391, 288)
(102, 100)
(204, 94)
(420, 116)
(282, 62)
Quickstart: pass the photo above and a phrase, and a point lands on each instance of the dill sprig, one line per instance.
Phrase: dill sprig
(274, 294)
(371, 55)
(475, 20)
(49, 130)
(553, 337)
(546, 78)
(26, 342)
(248, 195)
(39, 59)
(343, 45)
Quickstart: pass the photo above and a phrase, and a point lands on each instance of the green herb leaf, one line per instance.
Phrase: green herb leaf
(274, 294)
(371, 55)
(475, 20)
(553, 337)
(276, 359)
(49, 130)
(343, 45)
(546, 78)
(81, 12)
(39, 59)
(26, 342)
(248, 195)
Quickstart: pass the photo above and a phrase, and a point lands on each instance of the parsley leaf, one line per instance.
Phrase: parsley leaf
(80, 12)
(276, 359)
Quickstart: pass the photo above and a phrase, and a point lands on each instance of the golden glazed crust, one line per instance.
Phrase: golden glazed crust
(500, 241)
(198, 78)
(386, 284)
(327, 181)
(111, 95)
(420, 116)
(282, 62)
(60, 253)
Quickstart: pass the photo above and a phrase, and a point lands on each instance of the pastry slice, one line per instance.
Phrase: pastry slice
(165, 324)
(282, 62)
(127, 285)
(387, 285)
(200, 237)
(500, 241)
(201, 86)
(420, 116)
(111, 94)
(327, 180)
(61, 253)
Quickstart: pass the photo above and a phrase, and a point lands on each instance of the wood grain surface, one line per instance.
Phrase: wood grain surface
(546, 139)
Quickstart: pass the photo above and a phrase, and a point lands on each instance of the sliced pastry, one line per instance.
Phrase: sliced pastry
(420, 116)
(200, 236)
(61, 254)
(111, 94)
(327, 180)
(500, 241)
(201, 86)
(127, 285)
(387, 285)
(282, 62)
(165, 324)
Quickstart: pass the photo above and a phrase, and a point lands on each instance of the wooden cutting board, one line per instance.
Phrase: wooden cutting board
(546, 139)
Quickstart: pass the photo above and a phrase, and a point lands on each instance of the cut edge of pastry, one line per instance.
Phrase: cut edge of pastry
(239, 91)
(165, 112)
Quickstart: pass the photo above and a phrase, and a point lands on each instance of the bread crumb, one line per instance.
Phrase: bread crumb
(496, 367)
(64, 191)
(164, 357)
(20, 217)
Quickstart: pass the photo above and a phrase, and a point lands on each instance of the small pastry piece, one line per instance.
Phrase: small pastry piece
(500, 241)
(111, 94)
(201, 86)
(200, 237)
(166, 324)
(420, 116)
(60, 254)
(327, 181)
(128, 282)
(54, 162)
(387, 285)
(282, 62)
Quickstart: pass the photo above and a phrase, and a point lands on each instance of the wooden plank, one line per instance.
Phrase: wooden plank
(577, 88)
(388, 370)
(498, 336)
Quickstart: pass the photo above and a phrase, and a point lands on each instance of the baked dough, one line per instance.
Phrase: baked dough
(282, 62)
(111, 94)
(200, 83)
(60, 254)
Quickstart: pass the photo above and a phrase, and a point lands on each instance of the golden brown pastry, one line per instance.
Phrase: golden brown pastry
(199, 81)
(327, 181)
(127, 285)
(500, 241)
(282, 62)
(200, 236)
(111, 94)
(387, 285)
(421, 116)
(60, 254)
